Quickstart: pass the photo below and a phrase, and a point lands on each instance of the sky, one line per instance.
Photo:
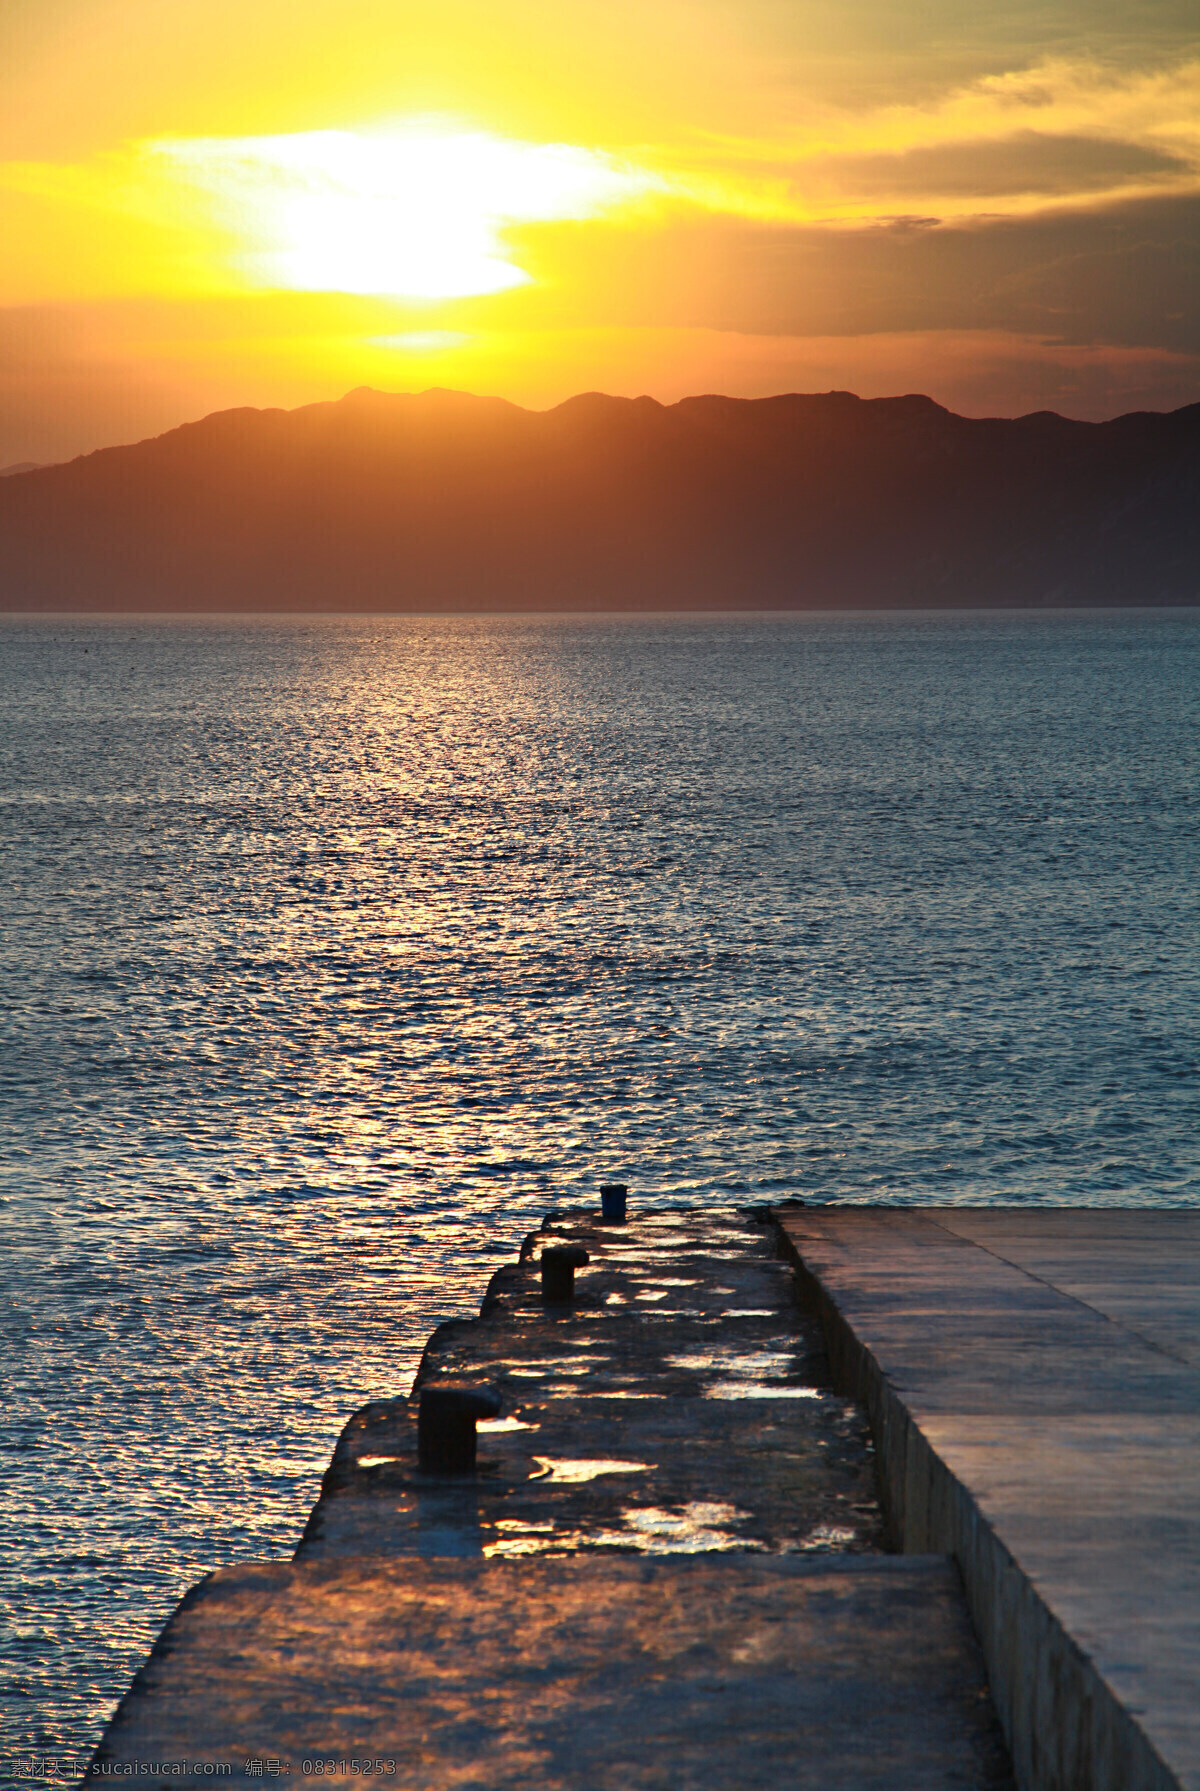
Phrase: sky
(209, 203)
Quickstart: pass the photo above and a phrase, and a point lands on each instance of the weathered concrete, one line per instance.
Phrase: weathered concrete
(1037, 1414)
(683, 1403)
(1141, 1269)
(592, 1674)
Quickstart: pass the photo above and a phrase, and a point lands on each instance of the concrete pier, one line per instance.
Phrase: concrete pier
(666, 1570)
(1032, 1382)
(669, 1566)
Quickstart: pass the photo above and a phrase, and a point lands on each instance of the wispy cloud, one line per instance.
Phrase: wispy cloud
(1059, 133)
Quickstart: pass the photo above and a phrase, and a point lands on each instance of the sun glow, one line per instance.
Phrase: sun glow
(418, 213)
(272, 202)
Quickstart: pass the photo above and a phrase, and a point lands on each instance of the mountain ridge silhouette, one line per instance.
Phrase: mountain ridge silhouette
(442, 501)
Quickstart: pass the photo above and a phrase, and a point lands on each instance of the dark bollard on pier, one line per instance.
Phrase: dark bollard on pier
(559, 1264)
(613, 1197)
(446, 1421)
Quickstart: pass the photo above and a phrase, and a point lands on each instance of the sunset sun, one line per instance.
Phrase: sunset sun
(417, 213)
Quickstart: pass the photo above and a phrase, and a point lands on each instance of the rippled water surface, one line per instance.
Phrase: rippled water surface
(335, 952)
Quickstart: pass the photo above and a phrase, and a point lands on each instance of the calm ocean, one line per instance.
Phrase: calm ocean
(336, 952)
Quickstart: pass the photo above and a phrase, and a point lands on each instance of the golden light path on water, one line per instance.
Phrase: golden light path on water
(336, 952)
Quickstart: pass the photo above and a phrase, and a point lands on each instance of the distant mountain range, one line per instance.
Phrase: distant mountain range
(447, 502)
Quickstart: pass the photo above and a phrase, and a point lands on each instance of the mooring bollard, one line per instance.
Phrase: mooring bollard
(559, 1264)
(446, 1420)
(612, 1203)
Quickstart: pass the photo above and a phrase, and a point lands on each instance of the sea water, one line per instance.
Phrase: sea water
(337, 951)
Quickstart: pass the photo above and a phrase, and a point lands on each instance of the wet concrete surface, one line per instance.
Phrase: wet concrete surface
(682, 1404)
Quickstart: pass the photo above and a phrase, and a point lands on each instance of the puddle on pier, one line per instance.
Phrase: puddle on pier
(577, 1473)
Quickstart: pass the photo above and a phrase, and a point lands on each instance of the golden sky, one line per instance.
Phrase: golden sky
(206, 203)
